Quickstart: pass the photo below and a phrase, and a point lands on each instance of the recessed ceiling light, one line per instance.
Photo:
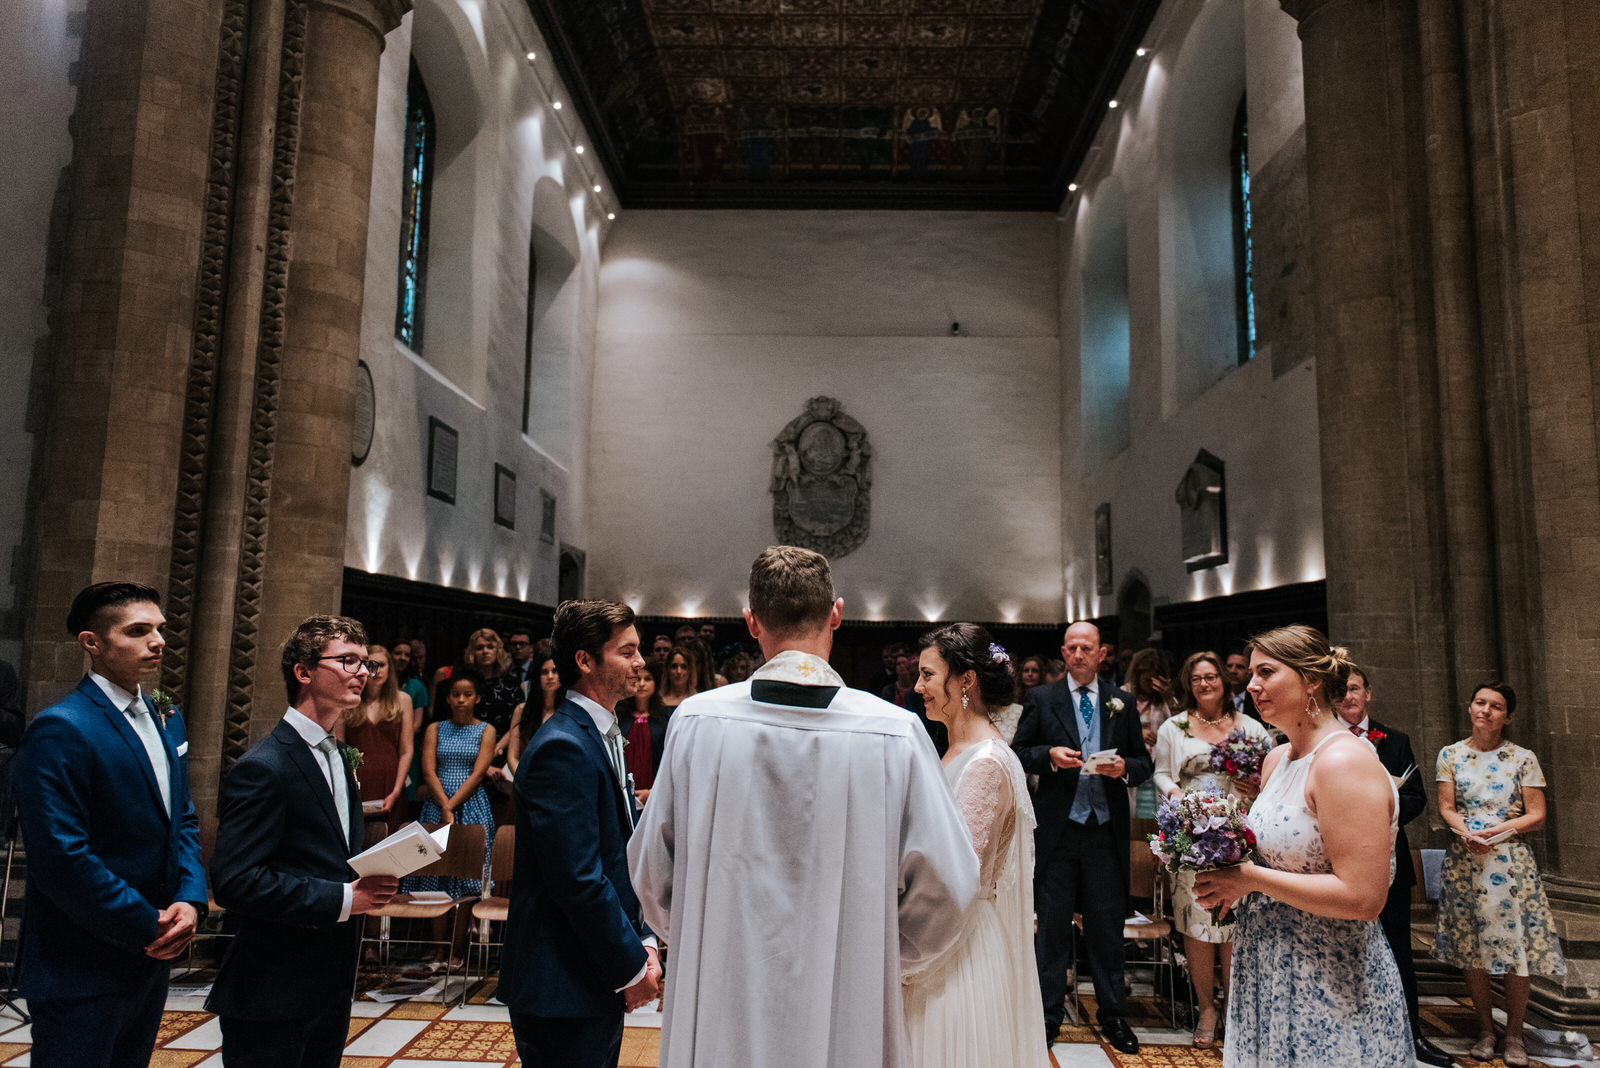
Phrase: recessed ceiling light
(611, 215)
(597, 189)
(1140, 52)
(532, 56)
(556, 105)
(1111, 104)
(580, 150)
(1072, 187)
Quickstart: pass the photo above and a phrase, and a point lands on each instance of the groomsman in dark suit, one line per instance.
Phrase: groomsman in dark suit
(115, 885)
(1081, 842)
(290, 819)
(1394, 752)
(577, 953)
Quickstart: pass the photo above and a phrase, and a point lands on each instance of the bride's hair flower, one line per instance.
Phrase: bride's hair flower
(998, 654)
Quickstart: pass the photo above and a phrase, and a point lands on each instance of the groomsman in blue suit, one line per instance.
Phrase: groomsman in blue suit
(289, 821)
(115, 885)
(577, 952)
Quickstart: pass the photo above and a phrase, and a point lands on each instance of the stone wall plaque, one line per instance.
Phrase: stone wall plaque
(505, 496)
(821, 480)
(1203, 512)
(443, 446)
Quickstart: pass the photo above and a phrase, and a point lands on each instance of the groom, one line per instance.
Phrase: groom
(799, 850)
(1081, 841)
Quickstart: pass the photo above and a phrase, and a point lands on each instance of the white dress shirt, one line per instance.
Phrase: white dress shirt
(604, 718)
(142, 720)
(312, 733)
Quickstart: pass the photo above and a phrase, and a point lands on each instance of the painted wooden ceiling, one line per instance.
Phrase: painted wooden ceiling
(842, 103)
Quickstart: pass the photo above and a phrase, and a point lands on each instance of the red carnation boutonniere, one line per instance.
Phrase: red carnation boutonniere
(1374, 735)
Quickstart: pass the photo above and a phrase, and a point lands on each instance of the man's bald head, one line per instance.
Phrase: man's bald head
(1083, 652)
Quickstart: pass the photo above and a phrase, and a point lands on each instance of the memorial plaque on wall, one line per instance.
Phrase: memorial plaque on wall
(443, 447)
(505, 496)
(364, 416)
(1203, 513)
(821, 480)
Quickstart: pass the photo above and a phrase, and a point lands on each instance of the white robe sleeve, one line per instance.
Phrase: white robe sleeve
(938, 868)
(650, 856)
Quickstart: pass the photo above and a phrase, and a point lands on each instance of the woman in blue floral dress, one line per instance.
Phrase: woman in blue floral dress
(1314, 980)
(456, 753)
(1493, 916)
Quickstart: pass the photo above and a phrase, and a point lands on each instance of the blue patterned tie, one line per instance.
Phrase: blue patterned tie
(1085, 706)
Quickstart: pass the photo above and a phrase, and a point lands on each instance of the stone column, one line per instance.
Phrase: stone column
(106, 467)
(293, 557)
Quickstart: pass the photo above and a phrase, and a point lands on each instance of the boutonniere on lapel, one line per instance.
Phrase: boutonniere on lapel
(352, 760)
(1113, 706)
(1374, 735)
(164, 705)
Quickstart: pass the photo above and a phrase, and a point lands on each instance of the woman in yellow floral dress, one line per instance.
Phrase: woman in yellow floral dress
(1493, 916)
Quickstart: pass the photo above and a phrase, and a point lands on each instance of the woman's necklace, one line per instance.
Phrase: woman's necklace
(1213, 721)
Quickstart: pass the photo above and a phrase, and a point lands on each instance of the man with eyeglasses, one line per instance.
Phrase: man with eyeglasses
(520, 643)
(290, 818)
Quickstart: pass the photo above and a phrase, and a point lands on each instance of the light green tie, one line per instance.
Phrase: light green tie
(329, 747)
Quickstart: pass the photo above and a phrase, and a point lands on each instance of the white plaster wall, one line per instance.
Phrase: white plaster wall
(716, 327)
(522, 143)
(39, 41)
(1265, 429)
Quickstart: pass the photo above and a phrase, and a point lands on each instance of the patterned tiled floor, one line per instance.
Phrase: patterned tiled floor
(419, 1034)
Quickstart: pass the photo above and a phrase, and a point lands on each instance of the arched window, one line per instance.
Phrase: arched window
(1243, 265)
(527, 355)
(416, 186)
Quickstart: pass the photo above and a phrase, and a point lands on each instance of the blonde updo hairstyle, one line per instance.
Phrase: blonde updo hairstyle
(1307, 652)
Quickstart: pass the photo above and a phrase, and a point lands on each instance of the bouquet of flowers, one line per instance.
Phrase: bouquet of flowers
(1238, 756)
(1202, 832)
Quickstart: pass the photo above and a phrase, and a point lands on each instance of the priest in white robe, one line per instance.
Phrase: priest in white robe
(799, 849)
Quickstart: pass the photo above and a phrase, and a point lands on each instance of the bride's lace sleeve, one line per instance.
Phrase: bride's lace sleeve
(984, 795)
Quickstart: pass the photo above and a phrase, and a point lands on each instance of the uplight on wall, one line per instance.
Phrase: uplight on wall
(1111, 104)
(597, 188)
(610, 215)
(579, 149)
(532, 56)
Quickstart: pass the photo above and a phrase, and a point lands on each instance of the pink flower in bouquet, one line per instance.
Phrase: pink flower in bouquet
(1239, 756)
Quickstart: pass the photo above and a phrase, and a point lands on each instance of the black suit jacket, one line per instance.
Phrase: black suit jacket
(1394, 752)
(280, 868)
(1050, 718)
(574, 934)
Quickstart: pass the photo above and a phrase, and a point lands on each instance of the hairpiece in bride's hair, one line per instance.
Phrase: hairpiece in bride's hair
(998, 654)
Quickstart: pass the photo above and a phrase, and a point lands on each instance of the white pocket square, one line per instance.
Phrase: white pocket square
(182, 749)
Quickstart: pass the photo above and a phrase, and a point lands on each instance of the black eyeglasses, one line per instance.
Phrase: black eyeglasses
(353, 663)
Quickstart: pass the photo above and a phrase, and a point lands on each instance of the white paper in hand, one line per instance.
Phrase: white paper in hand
(409, 849)
(1096, 761)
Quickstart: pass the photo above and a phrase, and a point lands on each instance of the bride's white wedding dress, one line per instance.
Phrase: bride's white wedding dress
(978, 1004)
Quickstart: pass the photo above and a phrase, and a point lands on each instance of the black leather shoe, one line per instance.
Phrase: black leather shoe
(1052, 1028)
(1428, 1053)
(1119, 1034)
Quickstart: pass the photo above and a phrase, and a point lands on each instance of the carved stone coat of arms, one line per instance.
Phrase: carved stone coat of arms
(821, 478)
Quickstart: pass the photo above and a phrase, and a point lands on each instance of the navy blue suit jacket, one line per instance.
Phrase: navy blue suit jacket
(103, 855)
(280, 867)
(573, 932)
(1050, 718)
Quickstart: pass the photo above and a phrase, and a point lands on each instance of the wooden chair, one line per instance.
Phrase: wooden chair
(463, 859)
(1148, 882)
(492, 907)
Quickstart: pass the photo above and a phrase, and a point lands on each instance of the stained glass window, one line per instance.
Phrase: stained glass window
(1243, 254)
(416, 185)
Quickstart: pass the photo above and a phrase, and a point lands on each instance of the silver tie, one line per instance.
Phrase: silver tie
(329, 747)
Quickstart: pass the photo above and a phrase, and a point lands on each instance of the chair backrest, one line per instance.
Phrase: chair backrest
(503, 859)
(377, 831)
(1141, 870)
(463, 857)
(1140, 830)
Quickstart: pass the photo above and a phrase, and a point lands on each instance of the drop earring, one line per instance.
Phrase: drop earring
(965, 701)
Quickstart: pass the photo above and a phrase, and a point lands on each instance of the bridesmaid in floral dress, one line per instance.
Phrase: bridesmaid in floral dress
(1493, 916)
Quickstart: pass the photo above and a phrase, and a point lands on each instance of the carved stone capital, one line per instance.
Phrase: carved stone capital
(380, 16)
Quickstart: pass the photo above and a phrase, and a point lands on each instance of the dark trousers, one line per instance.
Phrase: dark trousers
(115, 1030)
(1396, 921)
(317, 1042)
(568, 1041)
(1083, 875)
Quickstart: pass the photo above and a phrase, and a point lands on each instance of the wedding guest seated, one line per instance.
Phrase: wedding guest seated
(380, 726)
(1493, 915)
(1183, 763)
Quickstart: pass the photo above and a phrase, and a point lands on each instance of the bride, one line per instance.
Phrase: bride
(978, 1003)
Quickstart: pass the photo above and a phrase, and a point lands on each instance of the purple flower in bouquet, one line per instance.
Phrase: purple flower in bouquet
(1202, 832)
(1239, 756)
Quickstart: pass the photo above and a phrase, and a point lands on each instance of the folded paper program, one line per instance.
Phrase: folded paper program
(409, 849)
